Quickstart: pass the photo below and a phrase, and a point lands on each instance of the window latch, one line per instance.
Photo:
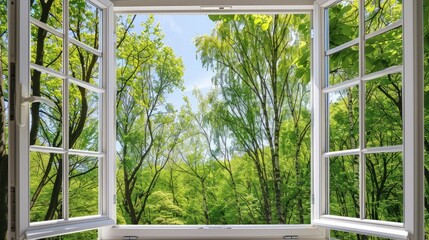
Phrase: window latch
(291, 237)
(25, 102)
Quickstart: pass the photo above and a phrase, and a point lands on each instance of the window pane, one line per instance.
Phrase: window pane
(83, 118)
(84, 65)
(343, 22)
(343, 121)
(83, 185)
(338, 235)
(384, 186)
(46, 49)
(85, 20)
(91, 234)
(344, 186)
(383, 51)
(381, 13)
(46, 186)
(51, 14)
(46, 121)
(383, 111)
(343, 65)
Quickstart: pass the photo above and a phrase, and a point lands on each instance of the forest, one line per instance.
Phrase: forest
(243, 156)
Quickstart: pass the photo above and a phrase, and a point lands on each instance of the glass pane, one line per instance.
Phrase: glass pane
(46, 49)
(383, 51)
(384, 186)
(45, 121)
(83, 118)
(344, 65)
(381, 13)
(91, 234)
(344, 186)
(383, 111)
(343, 22)
(46, 186)
(338, 235)
(84, 65)
(344, 119)
(83, 180)
(51, 14)
(85, 20)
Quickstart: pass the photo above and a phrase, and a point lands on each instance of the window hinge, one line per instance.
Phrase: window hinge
(312, 198)
(290, 237)
(312, 33)
(130, 238)
(114, 198)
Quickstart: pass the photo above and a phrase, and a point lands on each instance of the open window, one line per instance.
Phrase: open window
(366, 168)
(365, 132)
(62, 52)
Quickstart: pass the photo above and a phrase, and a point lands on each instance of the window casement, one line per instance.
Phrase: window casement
(62, 89)
(363, 47)
(63, 56)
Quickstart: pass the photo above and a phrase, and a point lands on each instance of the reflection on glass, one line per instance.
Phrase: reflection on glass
(384, 186)
(344, 119)
(46, 49)
(45, 121)
(383, 111)
(383, 51)
(381, 13)
(83, 185)
(51, 14)
(85, 22)
(84, 65)
(343, 22)
(83, 118)
(45, 186)
(344, 186)
(344, 65)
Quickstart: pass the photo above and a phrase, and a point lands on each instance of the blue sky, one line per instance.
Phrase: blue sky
(179, 31)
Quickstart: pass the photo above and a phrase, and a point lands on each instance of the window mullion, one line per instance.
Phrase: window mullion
(66, 109)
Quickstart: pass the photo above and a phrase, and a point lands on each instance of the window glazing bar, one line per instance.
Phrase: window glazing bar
(86, 85)
(387, 149)
(85, 153)
(343, 85)
(384, 72)
(86, 47)
(392, 26)
(342, 47)
(47, 27)
(341, 153)
(47, 70)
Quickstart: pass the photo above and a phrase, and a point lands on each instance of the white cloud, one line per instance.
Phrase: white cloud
(200, 83)
(174, 26)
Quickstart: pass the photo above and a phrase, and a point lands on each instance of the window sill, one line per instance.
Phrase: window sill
(214, 232)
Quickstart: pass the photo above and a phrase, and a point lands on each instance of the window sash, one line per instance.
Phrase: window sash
(412, 143)
(19, 188)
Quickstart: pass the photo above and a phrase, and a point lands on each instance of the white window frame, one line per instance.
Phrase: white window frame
(19, 189)
(413, 226)
(412, 149)
(303, 231)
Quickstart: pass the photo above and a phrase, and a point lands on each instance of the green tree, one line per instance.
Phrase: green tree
(252, 57)
(148, 129)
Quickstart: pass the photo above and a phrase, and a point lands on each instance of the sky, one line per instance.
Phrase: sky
(179, 31)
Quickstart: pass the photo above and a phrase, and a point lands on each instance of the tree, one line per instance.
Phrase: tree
(148, 129)
(252, 57)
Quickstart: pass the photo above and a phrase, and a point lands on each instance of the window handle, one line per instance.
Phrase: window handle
(25, 102)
